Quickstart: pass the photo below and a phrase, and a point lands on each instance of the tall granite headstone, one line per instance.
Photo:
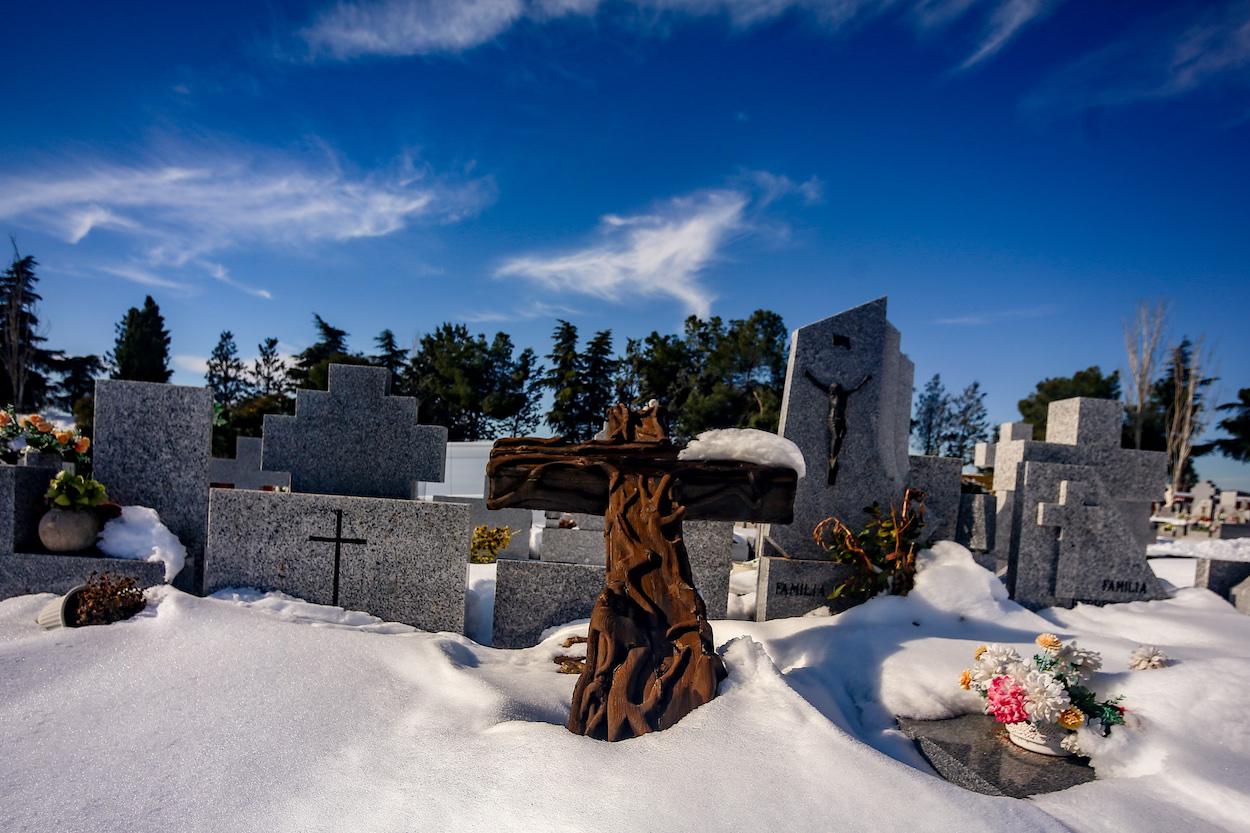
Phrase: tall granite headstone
(847, 406)
(1073, 512)
(152, 446)
(355, 438)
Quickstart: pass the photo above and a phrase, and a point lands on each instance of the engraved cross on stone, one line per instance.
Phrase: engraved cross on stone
(338, 540)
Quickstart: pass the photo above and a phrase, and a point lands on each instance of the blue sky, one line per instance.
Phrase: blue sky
(1014, 174)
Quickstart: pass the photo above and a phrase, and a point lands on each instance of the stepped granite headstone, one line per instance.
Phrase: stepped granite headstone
(244, 470)
(518, 521)
(400, 560)
(152, 446)
(1084, 541)
(847, 406)
(355, 438)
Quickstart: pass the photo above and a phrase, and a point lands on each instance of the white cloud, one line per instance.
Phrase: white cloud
(144, 277)
(522, 312)
(980, 319)
(191, 364)
(664, 252)
(176, 206)
(422, 27)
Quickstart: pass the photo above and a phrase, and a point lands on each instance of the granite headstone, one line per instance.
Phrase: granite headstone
(531, 596)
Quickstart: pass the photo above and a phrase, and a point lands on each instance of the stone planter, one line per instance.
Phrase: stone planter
(67, 530)
(56, 613)
(1044, 741)
(43, 459)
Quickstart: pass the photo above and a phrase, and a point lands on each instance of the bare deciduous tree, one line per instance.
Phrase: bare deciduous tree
(1143, 341)
(1185, 419)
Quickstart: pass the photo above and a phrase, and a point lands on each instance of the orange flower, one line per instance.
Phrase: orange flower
(29, 419)
(45, 427)
(981, 649)
(63, 437)
(5, 418)
(1048, 641)
(965, 680)
(1071, 718)
(82, 445)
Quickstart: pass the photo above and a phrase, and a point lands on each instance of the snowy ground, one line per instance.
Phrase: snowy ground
(1226, 549)
(261, 713)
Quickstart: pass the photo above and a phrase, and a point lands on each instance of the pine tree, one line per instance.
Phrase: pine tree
(391, 356)
(268, 375)
(1237, 425)
(933, 416)
(527, 377)
(564, 379)
(77, 382)
(969, 423)
(598, 368)
(141, 352)
(311, 365)
(226, 373)
(23, 361)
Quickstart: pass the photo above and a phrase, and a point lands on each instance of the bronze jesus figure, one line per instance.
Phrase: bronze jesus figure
(836, 420)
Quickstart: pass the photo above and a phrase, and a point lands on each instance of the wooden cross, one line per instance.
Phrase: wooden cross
(650, 658)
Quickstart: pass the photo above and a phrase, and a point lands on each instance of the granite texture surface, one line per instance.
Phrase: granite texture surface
(517, 520)
(573, 546)
(974, 752)
(355, 439)
(789, 587)
(400, 560)
(23, 573)
(855, 348)
(152, 446)
(709, 546)
(22, 504)
(1093, 550)
(587, 521)
(531, 596)
(938, 478)
(244, 471)
(975, 528)
(1220, 577)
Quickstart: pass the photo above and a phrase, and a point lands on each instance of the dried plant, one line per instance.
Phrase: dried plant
(882, 554)
(106, 599)
(488, 542)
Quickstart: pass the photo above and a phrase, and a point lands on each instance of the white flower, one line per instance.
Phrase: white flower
(1044, 696)
(1078, 662)
(1071, 743)
(1145, 657)
(995, 660)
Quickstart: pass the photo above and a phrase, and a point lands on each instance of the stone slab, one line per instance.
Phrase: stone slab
(973, 752)
(1241, 597)
(152, 446)
(790, 587)
(531, 596)
(243, 471)
(400, 560)
(355, 439)
(858, 350)
(1220, 577)
(938, 478)
(24, 573)
(518, 520)
(1227, 531)
(586, 521)
(709, 546)
(22, 504)
(976, 525)
(573, 546)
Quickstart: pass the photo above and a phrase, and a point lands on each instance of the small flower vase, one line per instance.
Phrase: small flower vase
(68, 530)
(1042, 740)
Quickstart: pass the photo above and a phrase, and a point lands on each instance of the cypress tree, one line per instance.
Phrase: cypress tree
(141, 352)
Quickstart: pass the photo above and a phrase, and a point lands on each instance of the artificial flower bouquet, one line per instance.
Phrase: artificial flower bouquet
(1043, 700)
(33, 431)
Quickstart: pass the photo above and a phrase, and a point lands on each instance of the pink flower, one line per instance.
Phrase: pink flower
(1005, 700)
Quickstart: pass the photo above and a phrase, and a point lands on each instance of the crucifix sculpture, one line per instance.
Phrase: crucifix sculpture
(649, 657)
(836, 420)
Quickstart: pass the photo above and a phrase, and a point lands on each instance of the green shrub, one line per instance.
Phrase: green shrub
(882, 555)
(73, 491)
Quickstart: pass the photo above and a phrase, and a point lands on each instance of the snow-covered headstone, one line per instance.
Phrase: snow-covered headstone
(1073, 512)
(152, 446)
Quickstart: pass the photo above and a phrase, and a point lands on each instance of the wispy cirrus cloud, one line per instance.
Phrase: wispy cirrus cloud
(424, 27)
(663, 252)
(176, 206)
(979, 319)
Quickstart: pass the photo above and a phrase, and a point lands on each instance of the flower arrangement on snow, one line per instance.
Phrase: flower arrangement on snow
(1047, 692)
(33, 431)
